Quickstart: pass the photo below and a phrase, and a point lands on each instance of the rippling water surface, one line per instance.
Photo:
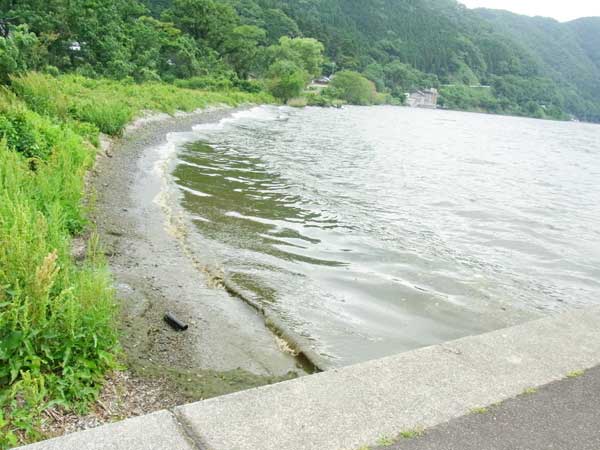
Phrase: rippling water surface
(375, 230)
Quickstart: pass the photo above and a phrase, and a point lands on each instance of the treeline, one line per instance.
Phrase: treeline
(203, 42)
(403, 45)
(279, 45)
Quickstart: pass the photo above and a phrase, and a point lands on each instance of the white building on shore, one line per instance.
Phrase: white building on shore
(425, 98)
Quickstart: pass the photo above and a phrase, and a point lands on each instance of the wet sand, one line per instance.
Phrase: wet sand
(227, 347)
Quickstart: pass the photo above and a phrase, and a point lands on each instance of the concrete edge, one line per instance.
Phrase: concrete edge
(159, 430)
(344, 409)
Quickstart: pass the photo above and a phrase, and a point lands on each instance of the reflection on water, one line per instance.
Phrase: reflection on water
(375, 230)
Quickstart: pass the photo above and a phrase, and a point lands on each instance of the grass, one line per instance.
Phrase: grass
(529, 391)
(385, 441)
(480, 411)
(576, 374)
(412, 434)
(110, 105)
(57, 332)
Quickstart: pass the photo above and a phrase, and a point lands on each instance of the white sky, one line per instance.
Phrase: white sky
(562, 10)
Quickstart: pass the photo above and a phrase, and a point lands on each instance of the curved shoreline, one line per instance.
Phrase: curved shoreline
(230, 345)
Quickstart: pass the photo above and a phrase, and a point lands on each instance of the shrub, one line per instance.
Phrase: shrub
(205, 83)
(57, 335)
(18, 53)
(353, 88)
(286, 80)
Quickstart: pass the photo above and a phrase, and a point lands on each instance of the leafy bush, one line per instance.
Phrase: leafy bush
(250, 86)
(206, 83)
(353, 88)
(286, 80)
(322, 100)
(18, 53)
(468, 98)
(57, 336)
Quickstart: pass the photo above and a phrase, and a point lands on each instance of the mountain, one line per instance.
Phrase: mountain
(535, 66)
(569, 53)
(588, 34)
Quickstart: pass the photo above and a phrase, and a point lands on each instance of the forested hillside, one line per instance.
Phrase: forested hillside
(535, 66)
(567, 53)
(528, 66)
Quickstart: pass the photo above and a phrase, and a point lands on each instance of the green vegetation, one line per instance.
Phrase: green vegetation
(576, 374)
(529, 391)
(286, 80)
(412, 434)
(482, 60)
(385, 441)
(353, 88)
(566, 53)
(110, 105)
(480, 411)
(57, 334)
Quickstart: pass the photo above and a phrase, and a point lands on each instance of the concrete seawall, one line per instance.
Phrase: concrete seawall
(347, 408)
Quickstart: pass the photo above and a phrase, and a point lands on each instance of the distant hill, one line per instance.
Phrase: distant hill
(481, 60)
(569, 53)
(531, 62)
(588, 34)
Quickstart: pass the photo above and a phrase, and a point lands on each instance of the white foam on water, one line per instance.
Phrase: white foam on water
(167, 197)
(166, 157)
(258, 113)
(194, 192)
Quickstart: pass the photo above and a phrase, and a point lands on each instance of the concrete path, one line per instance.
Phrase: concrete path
(357, 406)
(564, 415)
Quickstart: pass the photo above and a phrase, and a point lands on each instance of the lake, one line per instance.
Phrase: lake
(374, 230)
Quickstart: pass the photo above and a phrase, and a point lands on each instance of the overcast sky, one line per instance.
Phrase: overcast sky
(562, 10)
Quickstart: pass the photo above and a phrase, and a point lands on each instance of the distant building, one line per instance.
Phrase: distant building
(426, 98)
(323, 81)
(319, 84)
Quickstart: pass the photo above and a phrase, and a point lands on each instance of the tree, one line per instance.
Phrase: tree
(161, 50)
(286, 80)
(306, 53)
(18, 53)
(207, 21)
(241, 48)
(353, 88)
(278, 24)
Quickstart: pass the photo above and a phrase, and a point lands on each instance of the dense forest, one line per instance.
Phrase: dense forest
(479, 59)
(568, 53)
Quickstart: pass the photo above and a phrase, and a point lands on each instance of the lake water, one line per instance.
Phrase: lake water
(371, 231)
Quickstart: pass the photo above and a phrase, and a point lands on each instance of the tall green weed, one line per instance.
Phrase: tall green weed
(110, 105)
(57, 332)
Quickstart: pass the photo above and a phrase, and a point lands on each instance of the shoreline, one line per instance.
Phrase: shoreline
(230, 346)
(384, 400)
